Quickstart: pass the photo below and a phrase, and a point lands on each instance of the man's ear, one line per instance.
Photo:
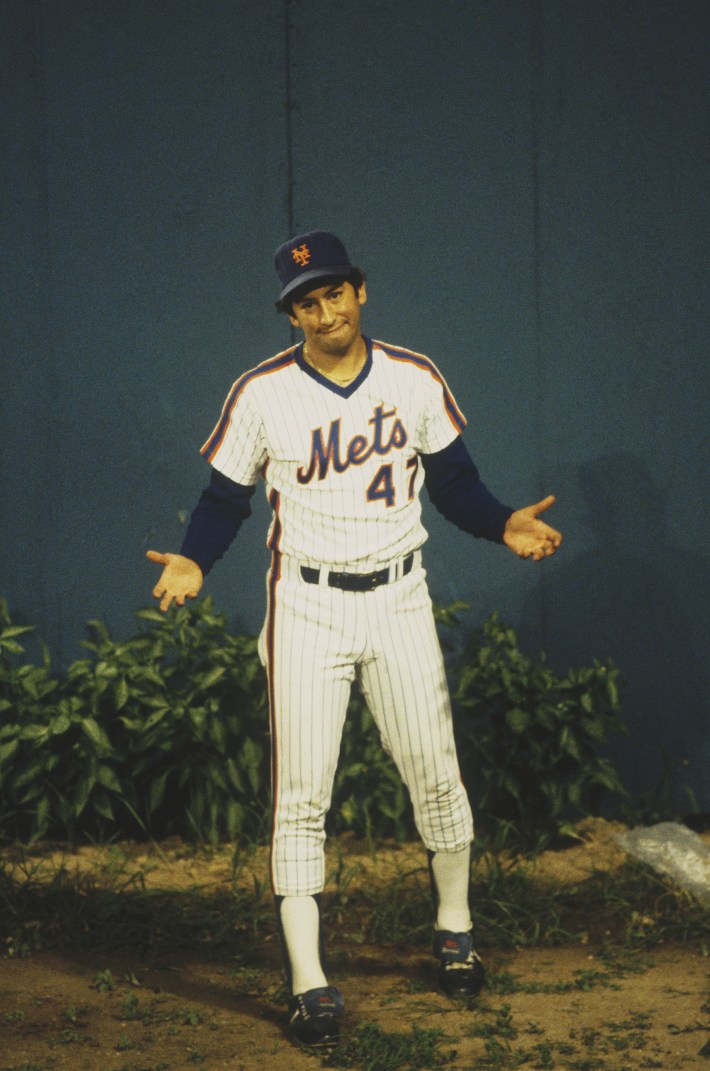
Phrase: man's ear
(362, 293)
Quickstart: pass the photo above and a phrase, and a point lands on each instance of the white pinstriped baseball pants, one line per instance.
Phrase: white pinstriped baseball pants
(315, 642)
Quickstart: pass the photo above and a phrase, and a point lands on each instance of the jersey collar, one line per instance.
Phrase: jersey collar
(349, 388)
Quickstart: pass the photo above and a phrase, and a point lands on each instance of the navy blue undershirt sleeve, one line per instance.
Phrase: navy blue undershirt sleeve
(452, 481)
(458, 493)
(216, 519)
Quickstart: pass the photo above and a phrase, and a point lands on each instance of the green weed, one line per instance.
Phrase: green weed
(69, 1037)
(156, 1011)
(104, 981)
(503, 983)
(372, 1049)
(129, 1008)
(17, 1016)
(124, 1043)
(587, 1049)
(502, 1027)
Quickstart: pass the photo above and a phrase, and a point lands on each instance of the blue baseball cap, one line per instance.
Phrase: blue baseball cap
(309, 257)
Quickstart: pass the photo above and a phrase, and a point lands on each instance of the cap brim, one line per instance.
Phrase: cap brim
(312, 276)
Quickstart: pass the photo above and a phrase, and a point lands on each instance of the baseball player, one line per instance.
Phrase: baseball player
(344, 431)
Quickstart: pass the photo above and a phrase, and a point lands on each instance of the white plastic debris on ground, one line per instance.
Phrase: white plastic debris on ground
(674, 850)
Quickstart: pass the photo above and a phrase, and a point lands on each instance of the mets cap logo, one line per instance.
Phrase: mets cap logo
(301, 255)
(309, 257)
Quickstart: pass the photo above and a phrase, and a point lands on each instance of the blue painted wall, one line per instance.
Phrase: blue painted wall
(525, 184)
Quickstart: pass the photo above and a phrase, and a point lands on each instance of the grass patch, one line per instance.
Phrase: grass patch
(505, 1046)
(155, 1012)
(622, 913)
(504, 983)
(104, 915)
(373, 1049)
(632, 908)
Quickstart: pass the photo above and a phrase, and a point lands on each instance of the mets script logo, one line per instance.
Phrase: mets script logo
(387, 434)
(301, 254)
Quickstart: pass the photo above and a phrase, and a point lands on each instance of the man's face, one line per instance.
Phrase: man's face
(329, 317)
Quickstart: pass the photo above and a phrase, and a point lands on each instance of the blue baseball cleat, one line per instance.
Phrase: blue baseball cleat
(461, 970)
(313, 1017)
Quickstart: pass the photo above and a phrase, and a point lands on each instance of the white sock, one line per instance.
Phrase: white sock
(451, 872)
(300, 920)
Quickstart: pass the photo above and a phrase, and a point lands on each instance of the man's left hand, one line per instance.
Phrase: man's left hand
(529, 537)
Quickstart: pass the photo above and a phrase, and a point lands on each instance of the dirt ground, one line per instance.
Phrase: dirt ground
(544, 1008)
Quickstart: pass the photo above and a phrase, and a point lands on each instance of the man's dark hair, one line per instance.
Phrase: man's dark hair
(356, 278)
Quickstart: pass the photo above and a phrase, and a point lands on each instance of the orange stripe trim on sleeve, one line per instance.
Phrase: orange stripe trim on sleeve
(420, 360)
(275, 364)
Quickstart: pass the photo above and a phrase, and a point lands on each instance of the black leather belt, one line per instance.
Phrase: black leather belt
(357, 581)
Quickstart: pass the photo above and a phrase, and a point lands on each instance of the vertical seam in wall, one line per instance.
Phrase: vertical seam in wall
(289, 116)
(288, 4)
(40, 93)
(54, 604)
(537, 63)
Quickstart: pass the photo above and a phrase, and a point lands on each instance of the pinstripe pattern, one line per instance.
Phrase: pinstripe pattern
(397, 353)
(317, 641)
(403, 681)
(281, 360)
(324, 449)
(342, 474)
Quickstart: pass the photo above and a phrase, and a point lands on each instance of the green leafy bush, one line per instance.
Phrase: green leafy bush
(24, 687)
(185, 706)
(530, 739)
(167, 733)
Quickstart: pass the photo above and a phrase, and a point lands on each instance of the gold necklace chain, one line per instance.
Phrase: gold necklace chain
(342, 381)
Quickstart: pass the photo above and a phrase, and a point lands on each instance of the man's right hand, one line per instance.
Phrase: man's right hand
(181, 579)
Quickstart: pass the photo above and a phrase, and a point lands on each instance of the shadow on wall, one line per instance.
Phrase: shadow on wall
(637, 597)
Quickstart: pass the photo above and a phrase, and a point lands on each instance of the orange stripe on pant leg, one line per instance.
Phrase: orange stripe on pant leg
(274, 577)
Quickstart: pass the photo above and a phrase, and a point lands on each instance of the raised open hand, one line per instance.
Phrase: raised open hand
(181, 579)
(529, 537)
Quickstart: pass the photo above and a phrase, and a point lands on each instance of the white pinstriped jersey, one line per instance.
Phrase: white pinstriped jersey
(340, 464)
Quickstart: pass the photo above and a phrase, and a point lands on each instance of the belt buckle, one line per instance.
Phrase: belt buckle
(337, 580)
(380, 577)
(361, 582)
